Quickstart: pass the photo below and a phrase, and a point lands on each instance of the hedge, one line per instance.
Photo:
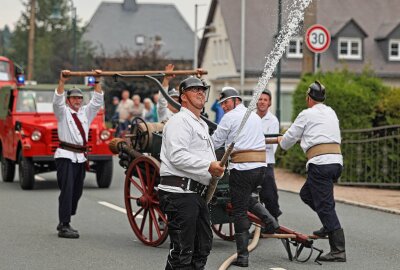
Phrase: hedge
(361, 101)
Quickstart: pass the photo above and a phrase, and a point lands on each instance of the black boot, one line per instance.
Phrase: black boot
(338, 250)
(321, 232)
(271, 224)
(242, 241)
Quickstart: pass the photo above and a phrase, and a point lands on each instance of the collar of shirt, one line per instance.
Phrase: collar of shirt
(189, 112)
(238, 108)
(267, 116)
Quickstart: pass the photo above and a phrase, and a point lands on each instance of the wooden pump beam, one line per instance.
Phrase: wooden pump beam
(197, 72)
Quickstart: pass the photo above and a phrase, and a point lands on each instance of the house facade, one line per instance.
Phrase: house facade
(364, 33)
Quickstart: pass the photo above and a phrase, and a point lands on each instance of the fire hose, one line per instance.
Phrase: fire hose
(251, 247)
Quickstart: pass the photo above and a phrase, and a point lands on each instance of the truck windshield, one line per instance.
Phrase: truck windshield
(5, 71)
(40, 101)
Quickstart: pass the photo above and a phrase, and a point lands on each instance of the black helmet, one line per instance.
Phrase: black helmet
(173, 93)
(316, 91)
(74, 92)
(228, 92)
(191, 82)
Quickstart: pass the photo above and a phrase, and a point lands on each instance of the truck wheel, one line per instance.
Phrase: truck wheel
(26, 173)
(104, 172)
(7, 169)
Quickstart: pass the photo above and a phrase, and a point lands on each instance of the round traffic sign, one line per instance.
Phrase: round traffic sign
(318, 38)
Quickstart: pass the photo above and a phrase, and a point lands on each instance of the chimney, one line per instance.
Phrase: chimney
(129, 5)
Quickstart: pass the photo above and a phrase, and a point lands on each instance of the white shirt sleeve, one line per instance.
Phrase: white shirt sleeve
(295, 132)
(94, 105)
(220, 135)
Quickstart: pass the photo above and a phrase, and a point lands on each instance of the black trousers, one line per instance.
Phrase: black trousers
(269, 192)
(241, 185)
(317, 193)
(189, 230)
(70, 177)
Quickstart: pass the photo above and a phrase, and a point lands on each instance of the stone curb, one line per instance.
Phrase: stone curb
(364, 205)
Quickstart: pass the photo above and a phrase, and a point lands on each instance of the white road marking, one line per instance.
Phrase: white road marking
(116, 208)
(277, 268)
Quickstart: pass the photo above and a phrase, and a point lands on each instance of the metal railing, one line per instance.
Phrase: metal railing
(371, 156)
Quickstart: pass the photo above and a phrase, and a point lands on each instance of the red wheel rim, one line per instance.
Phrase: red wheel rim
(225, 231)
(141, 201)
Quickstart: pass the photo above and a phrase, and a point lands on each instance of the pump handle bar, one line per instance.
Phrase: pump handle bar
(197, 72)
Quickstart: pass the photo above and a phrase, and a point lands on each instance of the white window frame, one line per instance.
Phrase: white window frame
(220, 52)
(392, 57)
(298, 54)
(349, 42)
(215, 49)
(226, 50)
(139, 40)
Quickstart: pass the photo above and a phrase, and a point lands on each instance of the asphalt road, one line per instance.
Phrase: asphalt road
(28, 237)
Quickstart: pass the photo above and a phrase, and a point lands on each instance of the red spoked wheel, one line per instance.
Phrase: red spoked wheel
(141, 201)
(224, 231)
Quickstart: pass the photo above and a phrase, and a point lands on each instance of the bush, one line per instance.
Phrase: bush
(356, 100)
(388, 109)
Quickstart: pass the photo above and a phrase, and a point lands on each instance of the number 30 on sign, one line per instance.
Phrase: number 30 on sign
(318, 38)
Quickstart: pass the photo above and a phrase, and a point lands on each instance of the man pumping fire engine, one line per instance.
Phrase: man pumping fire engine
(164, 109)
(318, 129)
(73, 120)
(188, 162)
(247, 168)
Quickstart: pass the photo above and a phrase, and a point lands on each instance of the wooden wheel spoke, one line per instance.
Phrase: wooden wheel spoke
(138, 212)
(161, 215)
(143, 220)
(155, 222)
(141, 178)
(230, 229)
(149, 179)
(219, 227)
(133, 182)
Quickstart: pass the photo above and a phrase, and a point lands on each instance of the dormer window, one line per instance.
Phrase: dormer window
(295, 48)
(394, 50)
(349, 48)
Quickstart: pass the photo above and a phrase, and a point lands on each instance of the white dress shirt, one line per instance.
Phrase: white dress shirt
(251, 137)
(270, 125)
(67, 129)
(162, 107)
(186, 150)
(316, 125)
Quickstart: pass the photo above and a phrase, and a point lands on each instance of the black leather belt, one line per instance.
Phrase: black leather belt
(184, 183)
(73, 147)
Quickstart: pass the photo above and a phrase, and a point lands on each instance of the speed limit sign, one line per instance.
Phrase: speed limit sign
(318, 38)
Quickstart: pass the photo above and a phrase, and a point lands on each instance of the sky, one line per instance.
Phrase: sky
(10, 10)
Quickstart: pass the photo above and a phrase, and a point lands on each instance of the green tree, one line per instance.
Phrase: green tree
(54, 44)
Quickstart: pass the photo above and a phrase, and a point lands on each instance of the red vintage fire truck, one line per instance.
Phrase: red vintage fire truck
(28, 131)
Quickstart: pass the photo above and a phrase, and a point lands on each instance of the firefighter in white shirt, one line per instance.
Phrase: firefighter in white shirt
(270, 124)
(318, 129)
(164, 109)
(73, 119)
(247, 168)
(188, 162)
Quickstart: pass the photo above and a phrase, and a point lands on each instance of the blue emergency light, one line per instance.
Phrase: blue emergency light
(20, 79)
(91, 81)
